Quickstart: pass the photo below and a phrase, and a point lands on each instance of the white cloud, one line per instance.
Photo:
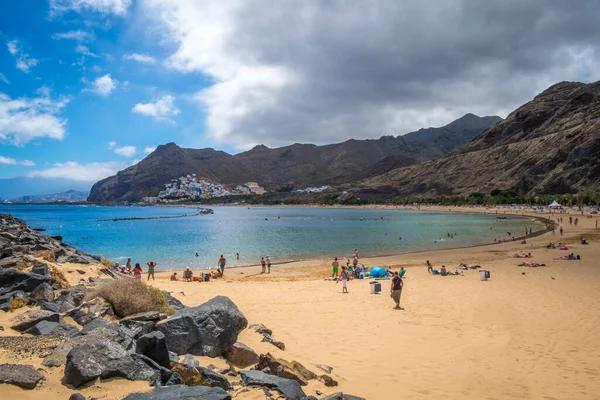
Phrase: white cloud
(23, 61)
(27, 163)
(81, 49)
(149, 149)
(3, 79)
(126, 151)
(323, 71)
(118, 7)
(105, 85)
(160, 110)
(142, 58)
(92, 172)
(111, 145)
(7, 161)
(25, 119)
(78, 35)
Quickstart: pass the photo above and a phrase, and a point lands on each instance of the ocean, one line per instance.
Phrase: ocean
(283, 233)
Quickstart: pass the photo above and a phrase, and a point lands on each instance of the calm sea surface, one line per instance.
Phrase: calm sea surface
(283, 233)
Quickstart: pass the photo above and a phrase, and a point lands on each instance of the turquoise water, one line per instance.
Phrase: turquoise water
(283, 233)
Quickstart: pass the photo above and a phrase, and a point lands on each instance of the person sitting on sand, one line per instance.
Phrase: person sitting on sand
(117, 267)
(583, 241)
(174, 276)
(429, 267)
(443, 270)
(523, 241)
(402, 272)
(137, 271)
(335, 268)
(188, 275)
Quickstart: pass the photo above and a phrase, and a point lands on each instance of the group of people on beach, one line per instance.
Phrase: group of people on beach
(136, 271)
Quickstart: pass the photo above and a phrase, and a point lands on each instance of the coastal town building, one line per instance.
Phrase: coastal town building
(190, 186)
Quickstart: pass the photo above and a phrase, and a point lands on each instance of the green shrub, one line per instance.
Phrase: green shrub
(130, 296)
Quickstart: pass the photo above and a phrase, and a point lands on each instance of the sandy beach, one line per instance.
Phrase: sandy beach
(527, 333)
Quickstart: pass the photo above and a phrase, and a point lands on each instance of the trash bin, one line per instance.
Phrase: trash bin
(483, 275)
(375, 287)
(487, 274)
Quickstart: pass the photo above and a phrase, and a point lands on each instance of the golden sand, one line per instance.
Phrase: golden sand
(527, 333)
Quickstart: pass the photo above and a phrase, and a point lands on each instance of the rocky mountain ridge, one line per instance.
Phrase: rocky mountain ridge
(298, 164)
(550, 145)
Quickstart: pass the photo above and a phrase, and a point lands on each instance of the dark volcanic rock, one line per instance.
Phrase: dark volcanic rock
(98, 323)
(77, 396)
(32, 317)
(289, 388)
(10, 262)
(260, 328)
(145, 316)
(43, 292)
(163, 376)
(328, 381)
(5, 299)
(25, 376)
(208, 330)
(172, 301)
(104, 359)
(341, 396)
(181, 392)
(138, 328)
(41, 269)
(12, 279)
(154, 346)
(285, 369)
(241, 355)
(42, 328)
(214, 379)
(45, 305)
(91, 310)
(276, 343)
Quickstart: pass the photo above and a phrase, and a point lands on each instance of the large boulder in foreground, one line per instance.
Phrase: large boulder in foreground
(290, 389)
(207, 330)
(342, 396)
(104, 359)
(25, 376)
(154, 346)
(178, 392)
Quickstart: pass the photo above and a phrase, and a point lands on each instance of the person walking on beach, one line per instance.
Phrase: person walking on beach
(222, 262)
(268, 264)
(396, 290)
(429, 267)
(336, 265)
(345, 277)
(137, 271)
(151, 266)
(561, 231)
(263, 264)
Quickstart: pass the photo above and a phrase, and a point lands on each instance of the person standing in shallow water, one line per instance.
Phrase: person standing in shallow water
(336, 265)
(268, 264)
(396, 290)
(151, 266)
(263, 264)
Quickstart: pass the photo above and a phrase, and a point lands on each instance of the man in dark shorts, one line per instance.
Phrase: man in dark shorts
(396, 290)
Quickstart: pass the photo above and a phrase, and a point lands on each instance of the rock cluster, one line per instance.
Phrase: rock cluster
(19, 243)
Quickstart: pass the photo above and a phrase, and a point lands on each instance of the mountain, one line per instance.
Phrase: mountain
(70, 196)
(25, 186)
(298, 164)
(550, 145)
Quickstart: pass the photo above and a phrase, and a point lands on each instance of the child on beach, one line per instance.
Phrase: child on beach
(336, 265)
(151, 266)
(429, 267)
(345, 277)
(137, 271)
(174, 276)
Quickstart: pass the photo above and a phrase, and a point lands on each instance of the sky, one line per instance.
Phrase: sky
(90, 87)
